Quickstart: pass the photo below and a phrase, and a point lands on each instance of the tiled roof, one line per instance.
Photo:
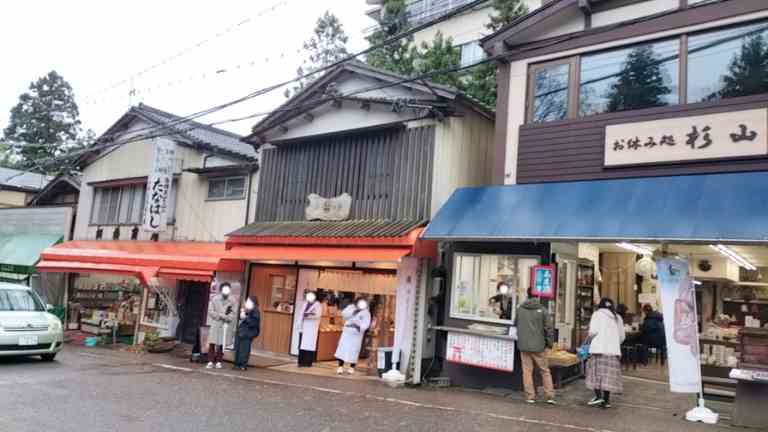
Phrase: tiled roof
(23, 179)
(353, 228)
(199, 132)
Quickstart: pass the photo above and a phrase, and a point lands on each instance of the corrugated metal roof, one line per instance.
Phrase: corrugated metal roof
(23, 179)
(353, 228)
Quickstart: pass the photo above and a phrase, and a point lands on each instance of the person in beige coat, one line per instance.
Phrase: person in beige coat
(221, 314)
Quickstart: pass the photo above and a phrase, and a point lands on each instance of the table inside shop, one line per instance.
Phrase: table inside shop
(751, 398)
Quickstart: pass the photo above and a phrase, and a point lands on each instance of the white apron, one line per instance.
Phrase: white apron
(351, 338)
(310, 325)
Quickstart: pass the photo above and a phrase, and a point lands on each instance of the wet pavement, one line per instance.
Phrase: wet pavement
(103, 390)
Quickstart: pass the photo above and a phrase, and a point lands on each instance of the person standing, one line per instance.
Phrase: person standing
(533, 338)
(357, 319)
(606, 328)
(221, 313)
(309, 325)
(250, 327)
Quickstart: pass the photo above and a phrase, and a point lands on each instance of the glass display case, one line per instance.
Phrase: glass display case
(585, 289)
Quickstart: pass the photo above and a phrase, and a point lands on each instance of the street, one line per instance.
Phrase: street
(102, 390)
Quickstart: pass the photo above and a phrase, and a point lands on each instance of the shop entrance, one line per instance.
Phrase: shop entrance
(275, 288)
(194, 304)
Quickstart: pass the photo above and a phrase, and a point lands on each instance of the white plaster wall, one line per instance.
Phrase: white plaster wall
(632, 11)
(463, 28)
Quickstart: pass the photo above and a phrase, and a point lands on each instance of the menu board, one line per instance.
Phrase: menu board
(485, 352)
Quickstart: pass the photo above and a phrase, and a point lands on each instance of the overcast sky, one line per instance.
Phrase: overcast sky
(95, 45)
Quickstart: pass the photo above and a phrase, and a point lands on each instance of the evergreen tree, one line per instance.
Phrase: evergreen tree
(505, 11)
(748, 72)
(640, 84)
(397, 56)
(439, 55)
(481, 80)
(328, 45)
(44, 123)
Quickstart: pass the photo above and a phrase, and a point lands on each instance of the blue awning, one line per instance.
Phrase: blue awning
(698, 208)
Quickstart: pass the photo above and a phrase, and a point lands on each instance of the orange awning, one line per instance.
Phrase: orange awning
(143, 274)
(316, 253)
(195, 261)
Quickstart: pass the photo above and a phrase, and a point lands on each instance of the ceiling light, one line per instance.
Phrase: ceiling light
(697, 283)
(738, 259)
(635, 248)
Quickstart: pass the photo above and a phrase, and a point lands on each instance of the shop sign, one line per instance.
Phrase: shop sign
(328, 209)
(159, 187)
(484, 352)
(713, 136)
(543, 281)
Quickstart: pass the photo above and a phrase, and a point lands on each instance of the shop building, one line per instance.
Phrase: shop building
(143, 275)
(625, 131)
(352, 168)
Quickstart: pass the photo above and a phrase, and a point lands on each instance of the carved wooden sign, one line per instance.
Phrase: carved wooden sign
(328, 209)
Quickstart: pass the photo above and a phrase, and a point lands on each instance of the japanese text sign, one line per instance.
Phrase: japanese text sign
(543, 281)
(159, 186)
(713, 136)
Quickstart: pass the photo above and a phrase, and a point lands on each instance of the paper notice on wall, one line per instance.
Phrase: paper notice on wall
(678, 299)
(159, 186)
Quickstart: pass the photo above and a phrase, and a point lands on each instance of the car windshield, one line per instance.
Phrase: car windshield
(19, 300)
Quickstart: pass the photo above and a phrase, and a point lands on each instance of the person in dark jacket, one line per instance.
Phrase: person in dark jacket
(652, 329)
(533, 338)
(250, 327)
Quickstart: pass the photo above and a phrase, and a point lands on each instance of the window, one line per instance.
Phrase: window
(471, 53)
(728, 63)
(550, 92)
(19, 300)
(226, 188)
(475, 279)
(637, 77)
(124, 205)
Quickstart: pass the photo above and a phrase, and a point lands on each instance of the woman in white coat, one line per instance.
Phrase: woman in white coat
(606, 328)
(357, 319)
(310, 323)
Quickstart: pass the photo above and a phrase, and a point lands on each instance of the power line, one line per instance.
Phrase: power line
(189, 49)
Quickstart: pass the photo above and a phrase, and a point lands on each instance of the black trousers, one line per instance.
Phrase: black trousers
(243, 351)
(306, 358)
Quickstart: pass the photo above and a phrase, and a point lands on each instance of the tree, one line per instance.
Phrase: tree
(439, 55)
(641, 82)
(326, 47)
(480, 82)
(748, 72)
(505, 11)
(397, 56)
(44, 123)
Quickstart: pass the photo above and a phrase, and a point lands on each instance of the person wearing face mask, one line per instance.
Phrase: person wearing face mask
(310, 323)
(502, 301)
(221, 313)
(250, 327)
(357, 319)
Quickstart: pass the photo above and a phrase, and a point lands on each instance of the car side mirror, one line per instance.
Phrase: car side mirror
(49, 307)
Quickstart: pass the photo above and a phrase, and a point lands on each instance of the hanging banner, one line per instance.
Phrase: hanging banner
(407, 274)
(159, 187)
(678, 299)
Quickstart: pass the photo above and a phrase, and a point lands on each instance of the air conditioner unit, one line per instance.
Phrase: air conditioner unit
(715, 268)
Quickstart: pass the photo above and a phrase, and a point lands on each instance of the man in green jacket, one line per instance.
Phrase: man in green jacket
(533, 338)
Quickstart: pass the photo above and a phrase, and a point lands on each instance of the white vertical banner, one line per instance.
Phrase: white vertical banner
(405, 304)
(159, 186)
(678, 300)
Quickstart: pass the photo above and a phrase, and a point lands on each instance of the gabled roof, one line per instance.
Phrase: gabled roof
(187, 132)
(532, 18)
(303, 100)
(70, 180)
(23, 180)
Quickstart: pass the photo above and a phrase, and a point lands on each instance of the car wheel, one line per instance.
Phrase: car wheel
(48, 357)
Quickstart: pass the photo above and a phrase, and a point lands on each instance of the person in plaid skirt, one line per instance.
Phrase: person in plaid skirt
(606, 328)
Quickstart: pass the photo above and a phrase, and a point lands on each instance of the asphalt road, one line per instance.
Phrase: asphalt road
(100, 390)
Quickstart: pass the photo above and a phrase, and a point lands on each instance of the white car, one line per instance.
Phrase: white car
(26, 327)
